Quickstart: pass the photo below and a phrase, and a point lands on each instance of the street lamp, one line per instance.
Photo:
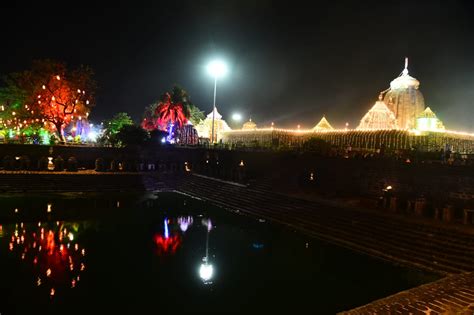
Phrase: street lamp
(237, 117)
(217, 69)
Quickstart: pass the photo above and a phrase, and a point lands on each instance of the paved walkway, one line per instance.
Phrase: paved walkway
(450, 295)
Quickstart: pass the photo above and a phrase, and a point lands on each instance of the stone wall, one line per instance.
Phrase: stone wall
(290, 172)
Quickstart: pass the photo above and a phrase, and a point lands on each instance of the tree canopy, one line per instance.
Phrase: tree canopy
(49, 96)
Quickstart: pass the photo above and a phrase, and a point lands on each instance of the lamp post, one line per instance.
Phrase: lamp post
(217, 69)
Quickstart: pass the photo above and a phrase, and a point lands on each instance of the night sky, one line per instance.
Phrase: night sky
(290, 62)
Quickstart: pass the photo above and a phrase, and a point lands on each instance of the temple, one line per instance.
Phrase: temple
(204, 128)
(404, 99)
(378, 117)
(399, 120)
(323, 124)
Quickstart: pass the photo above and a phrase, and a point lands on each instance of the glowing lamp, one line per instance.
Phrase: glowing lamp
(217, 68)
(236, 117)
(206, 271)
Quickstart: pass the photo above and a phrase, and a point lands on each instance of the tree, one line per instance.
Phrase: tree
(196, 115)
(170, 112)
(174, 107)
(50, 94)
(113, 126)
(149, 118)
(131, 135)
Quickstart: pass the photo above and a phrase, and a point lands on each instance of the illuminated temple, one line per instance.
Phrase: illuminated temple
(399, 120)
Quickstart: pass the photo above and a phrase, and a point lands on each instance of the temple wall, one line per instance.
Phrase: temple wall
(357, 139)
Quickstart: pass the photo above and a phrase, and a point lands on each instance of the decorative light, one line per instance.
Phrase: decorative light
(58, 77)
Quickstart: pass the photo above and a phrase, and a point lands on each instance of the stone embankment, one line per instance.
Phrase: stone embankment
(388, 236)
(82, 181)
(451, 295)
(443, 249)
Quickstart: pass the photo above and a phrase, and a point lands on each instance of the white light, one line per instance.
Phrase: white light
(206, 271)
(236, 117)
(217, 68)
(163, 140)
(92, 135)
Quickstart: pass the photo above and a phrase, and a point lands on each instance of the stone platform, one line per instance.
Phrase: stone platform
(450, 295)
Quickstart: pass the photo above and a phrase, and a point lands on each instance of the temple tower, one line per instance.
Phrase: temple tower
(404, 99)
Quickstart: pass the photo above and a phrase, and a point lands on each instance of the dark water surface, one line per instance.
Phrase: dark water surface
(146, 254)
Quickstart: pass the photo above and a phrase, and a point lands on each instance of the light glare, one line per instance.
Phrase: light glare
(206, 271)
(237, 117)
(217, 68)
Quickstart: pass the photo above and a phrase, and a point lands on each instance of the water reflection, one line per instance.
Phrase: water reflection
(206, 270)
(185, 222)
(166, 243)
(49, 252)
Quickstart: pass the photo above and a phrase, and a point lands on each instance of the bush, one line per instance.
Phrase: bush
(72, 164)
(8, 162)
(25, 162)
(99, 165)
(43, 164)
(58, 164)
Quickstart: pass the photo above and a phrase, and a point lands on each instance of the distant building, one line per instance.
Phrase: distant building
(249, 125)
(204, 128)
(323, 124)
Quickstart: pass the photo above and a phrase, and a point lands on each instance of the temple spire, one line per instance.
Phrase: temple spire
(405, 71)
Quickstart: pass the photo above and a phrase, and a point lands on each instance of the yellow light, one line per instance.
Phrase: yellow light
(44, 87)
(58, 77)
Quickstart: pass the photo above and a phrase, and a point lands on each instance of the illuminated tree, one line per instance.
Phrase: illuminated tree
(175, 108)
(171, 112)
(62, 99)
(48, 94)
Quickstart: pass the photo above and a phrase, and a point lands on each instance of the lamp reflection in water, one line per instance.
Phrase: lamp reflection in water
(184, 223)
(206, 269)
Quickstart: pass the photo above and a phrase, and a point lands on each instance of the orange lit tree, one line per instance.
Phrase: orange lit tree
(63, 98)
(51, 95)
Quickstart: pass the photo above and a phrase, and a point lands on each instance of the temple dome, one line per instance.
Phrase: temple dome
(323, 124)
(378, 117)
(404, 99)
(404, 81)
(249, 125)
